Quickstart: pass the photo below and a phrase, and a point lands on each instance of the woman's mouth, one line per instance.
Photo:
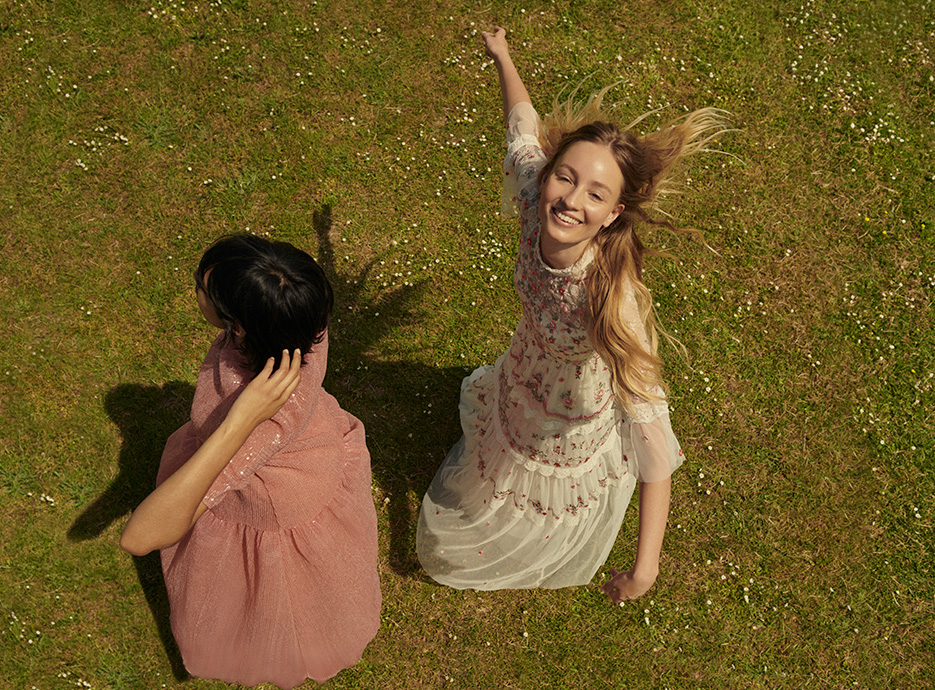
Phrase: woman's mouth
(565, 219)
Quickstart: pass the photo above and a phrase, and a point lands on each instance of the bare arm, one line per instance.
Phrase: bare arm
(511, 85)
(166, 515)
(654, 513)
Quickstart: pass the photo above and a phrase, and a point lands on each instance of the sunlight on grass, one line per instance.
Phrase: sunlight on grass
(800, 543)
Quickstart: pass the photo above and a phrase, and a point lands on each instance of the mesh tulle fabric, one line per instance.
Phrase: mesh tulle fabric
(494, 519)
(522, 130)
(276, 582)
(535, 492)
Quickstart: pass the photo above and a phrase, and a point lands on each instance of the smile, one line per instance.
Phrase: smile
(568, 220)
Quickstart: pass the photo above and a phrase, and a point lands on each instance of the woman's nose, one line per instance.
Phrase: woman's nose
(572, 198)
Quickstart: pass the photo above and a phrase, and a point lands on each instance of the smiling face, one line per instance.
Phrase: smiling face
(578, 197)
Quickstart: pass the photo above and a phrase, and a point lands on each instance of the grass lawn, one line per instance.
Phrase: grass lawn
(800, 548)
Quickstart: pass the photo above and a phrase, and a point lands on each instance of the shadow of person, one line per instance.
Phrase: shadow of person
(392, 398)
(410, 409)
(146, 416)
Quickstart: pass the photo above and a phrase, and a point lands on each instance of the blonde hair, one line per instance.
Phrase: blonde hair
(646, 162)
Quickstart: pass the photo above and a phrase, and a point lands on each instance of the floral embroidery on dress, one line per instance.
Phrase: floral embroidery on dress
(542, 429)
(501, 495)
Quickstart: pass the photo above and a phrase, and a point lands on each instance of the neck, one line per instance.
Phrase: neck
(557, 255)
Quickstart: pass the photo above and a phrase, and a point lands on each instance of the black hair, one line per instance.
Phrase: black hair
(270, 296)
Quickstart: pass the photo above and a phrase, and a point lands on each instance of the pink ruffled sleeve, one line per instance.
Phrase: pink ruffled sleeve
(275, 433)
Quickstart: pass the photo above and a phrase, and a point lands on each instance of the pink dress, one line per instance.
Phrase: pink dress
(277, 581)
(534, 493)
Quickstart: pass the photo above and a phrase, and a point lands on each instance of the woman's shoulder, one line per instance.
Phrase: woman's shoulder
(523, 121)
(522, 137)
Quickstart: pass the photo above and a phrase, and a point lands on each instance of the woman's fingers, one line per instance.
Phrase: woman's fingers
(286, 377)
(267, 369)
(271, 389)
(294, 373)
(494, 41)
(296, 363)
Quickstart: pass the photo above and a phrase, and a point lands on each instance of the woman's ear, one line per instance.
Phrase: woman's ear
(613, 215)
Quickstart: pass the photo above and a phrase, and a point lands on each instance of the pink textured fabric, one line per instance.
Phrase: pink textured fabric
(277, 581)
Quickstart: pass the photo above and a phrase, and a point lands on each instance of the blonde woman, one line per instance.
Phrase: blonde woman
(559, 432)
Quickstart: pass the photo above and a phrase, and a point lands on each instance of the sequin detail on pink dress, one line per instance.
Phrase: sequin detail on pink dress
(277, 581)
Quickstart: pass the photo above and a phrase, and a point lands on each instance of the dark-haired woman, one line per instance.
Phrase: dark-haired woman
(559, 432)
(263, 507)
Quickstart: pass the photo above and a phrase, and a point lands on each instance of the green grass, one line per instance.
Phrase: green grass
(800, 543)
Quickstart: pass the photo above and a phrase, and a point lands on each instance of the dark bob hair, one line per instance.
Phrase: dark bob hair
(270, 296)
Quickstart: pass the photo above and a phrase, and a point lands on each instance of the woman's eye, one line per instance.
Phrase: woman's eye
(597, 197)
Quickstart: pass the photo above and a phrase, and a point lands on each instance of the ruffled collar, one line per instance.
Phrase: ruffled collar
(579, 269)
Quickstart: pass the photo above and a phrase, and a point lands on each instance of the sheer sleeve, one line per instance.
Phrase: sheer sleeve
(275, 433)
(524, 157)
(657, 452)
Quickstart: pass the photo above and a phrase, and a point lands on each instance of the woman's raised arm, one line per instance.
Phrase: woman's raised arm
(511, 85)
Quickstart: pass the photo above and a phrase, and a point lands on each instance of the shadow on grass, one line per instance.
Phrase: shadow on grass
(391, 398)
(146, 416)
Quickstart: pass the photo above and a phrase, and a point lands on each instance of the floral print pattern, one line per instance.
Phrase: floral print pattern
(546, 452)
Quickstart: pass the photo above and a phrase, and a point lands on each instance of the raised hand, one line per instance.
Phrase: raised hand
(268, 392)
(495, 43)
(512, 88)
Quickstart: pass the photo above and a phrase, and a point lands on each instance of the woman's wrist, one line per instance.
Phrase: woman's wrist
(238, 428)
(645, 571)
(503, 63)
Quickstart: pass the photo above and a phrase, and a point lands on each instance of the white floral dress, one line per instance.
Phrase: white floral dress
(534, 493)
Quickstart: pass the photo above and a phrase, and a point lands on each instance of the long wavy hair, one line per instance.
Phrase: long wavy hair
(646, 162)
